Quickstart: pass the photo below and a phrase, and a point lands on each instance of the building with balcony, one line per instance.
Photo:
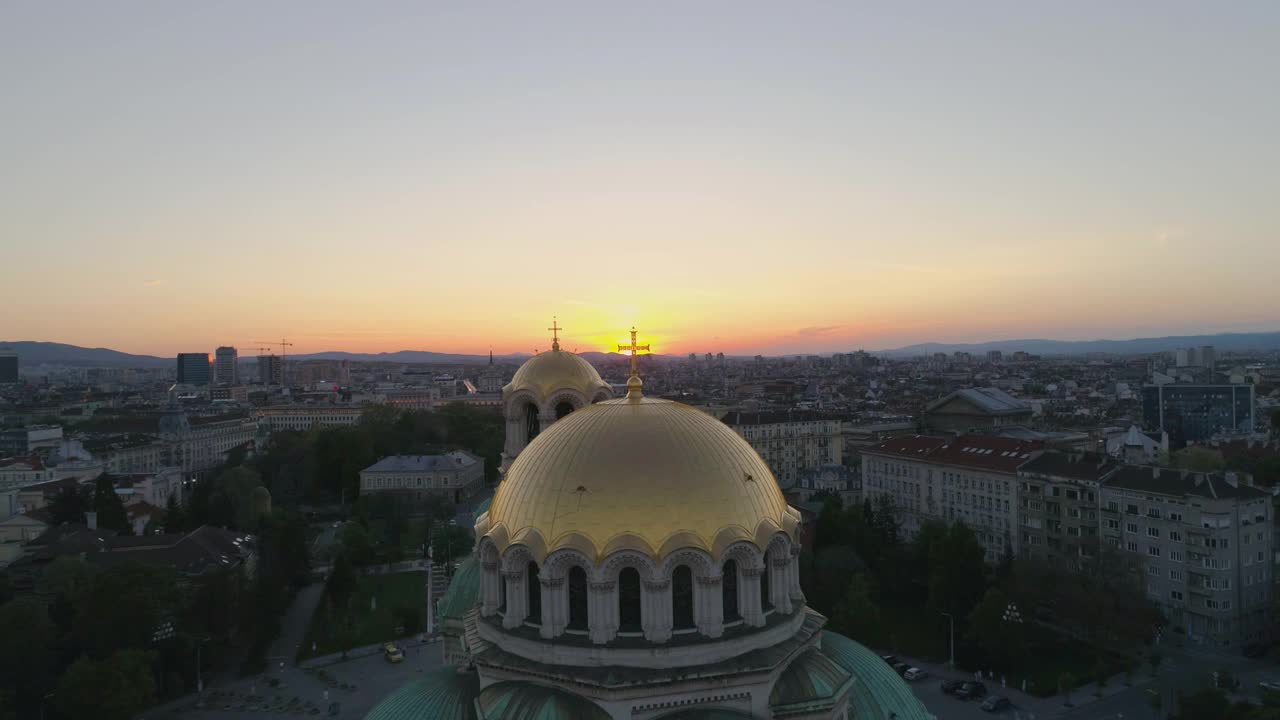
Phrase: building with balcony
(791, 442)
(1058, 500)
(1205, 540)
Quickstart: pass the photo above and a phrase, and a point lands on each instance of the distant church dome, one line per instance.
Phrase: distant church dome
(642, 474)
(547, 372)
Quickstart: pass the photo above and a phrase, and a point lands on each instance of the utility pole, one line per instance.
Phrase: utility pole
(952, 620)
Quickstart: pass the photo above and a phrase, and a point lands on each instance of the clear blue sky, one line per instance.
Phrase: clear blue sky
(733, 176)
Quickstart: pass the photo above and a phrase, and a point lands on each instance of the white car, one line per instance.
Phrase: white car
(915, 673)
(1272, 685)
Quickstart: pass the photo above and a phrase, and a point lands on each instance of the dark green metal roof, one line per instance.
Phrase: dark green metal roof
(707, 714)
(877, 692)
(515, 700)
(443, 694)
(464, 590)
(809, 678)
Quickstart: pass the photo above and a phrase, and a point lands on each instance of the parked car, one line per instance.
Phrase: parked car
(890, 659)
(901, 668)
(949, 687)
(1271, 685)
(971, 690)
(915, 673)
(393, 653)
(995, 703)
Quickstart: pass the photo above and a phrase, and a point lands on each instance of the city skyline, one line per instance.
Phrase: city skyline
(738, 178)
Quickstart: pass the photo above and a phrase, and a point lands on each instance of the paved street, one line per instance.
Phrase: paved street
(301, 692)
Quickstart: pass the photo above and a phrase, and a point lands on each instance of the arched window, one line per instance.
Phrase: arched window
(502, 594)
(577, 598)
(563, 408)
(765, 603)
(629, 620)
(682, 598)
(729, 587)
(533, 588)
(530, 422)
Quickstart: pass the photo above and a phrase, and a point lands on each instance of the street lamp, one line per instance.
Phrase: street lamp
(46, 697)
(952, 620)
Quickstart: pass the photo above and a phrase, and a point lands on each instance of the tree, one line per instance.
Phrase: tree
(110, 509)
(957, 572)
(175, 520)
(857, 614)
(27, 653)
(342, 581)
(113, 689)
(70, 504)
(450, 542)
(123, 607)
(995, 638)
(355, 538)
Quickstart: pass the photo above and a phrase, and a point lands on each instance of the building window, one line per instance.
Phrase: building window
(1131, 527)
(1153, 532)
(1175, 594)
(1153, 551)
(629, 619)
(1175, 555)
(577, 598)
(682, 598)
(1175, 575)
(1131, 546)
(1153, 570)
(533, 589)
(729, 589)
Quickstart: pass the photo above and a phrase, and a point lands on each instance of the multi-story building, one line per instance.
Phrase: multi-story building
(1195, 413)
(8, 367)
(976, 409)
(1206, 543)
(193, 368)
(270, 370)
(20, 472)
(1058, 500)
(1205, 540)
(790, 442)
(972, 479)
(226, 366)
(305, 417)
(128, 454)
(204, 446)
(457, 476)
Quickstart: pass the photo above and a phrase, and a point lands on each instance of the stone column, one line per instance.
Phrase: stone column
(780, 582)
(656, 611)
(554, 607)
(517, 603)
(545, 419)
(490, 590)
(602, 602)
(710, 591)
(793, 584)
(749, 596)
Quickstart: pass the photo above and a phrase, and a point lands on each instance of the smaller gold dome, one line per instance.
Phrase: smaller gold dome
(548, 372)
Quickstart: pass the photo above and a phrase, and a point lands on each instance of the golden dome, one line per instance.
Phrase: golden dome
(547, 372)
(637, 473)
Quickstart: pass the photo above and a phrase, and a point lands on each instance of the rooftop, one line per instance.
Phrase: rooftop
(1179, 483)
(1076, 466)
(423, 463)
(988, 399)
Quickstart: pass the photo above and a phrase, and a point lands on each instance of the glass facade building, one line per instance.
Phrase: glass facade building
(1194, 413)
(193, 368)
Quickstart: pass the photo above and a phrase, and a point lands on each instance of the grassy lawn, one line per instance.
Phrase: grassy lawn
(368, 626)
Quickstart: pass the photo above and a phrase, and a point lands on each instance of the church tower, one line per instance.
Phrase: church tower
(546, 388)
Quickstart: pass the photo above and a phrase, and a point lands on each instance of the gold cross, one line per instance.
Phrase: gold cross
(555, 333)
(635, 350)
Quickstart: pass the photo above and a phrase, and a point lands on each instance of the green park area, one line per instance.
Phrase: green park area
(400, 610)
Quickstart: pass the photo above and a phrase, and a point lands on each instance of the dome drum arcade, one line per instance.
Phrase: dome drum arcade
(639, 561)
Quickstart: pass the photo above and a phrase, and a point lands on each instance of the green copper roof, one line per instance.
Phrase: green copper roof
(810, 677)
(482, 508)
(707, 714)
(525, 701)
(464, 589)
(878, 693)
(443, 694)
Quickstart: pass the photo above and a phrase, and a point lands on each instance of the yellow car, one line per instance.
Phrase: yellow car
(392, 653)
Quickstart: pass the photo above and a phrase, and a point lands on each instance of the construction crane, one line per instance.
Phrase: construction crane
(284, 357)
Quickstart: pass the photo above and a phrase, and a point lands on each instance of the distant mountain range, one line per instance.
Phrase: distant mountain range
(1233, 342)
(32, 353)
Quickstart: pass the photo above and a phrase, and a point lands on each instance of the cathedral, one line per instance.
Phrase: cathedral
(638, 561)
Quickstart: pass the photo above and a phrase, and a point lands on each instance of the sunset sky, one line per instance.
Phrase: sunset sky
(737, 177)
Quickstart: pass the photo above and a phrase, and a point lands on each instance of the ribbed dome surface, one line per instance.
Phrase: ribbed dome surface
(639, 473)
(547, 372)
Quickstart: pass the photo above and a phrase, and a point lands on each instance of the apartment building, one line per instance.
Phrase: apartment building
(790, 442)
(1058, 499)
(1205, 540)
(972, 479)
